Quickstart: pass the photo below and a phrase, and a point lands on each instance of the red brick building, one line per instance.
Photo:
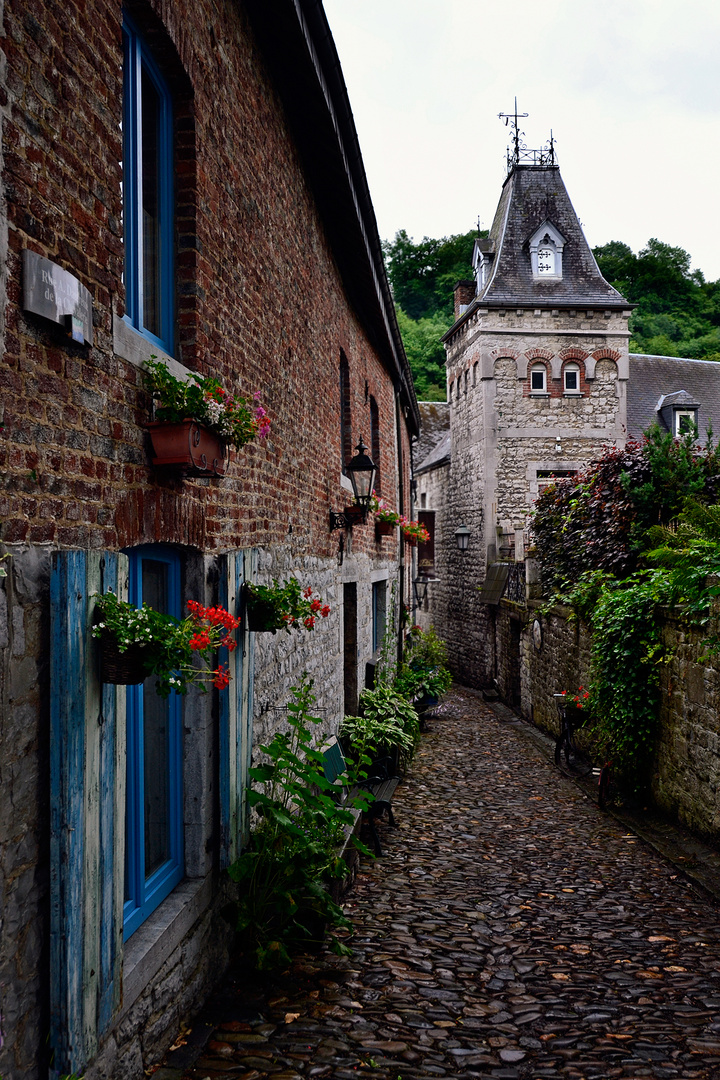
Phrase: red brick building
(195, 168)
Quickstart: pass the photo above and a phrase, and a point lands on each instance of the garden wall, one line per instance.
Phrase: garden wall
(686, 780)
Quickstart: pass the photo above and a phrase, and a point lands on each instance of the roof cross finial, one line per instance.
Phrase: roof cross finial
(520, 154)
(514, 117)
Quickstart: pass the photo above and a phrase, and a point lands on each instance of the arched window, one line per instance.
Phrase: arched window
(375, 440)
(571, 379)
(538, 379)
(345, 419)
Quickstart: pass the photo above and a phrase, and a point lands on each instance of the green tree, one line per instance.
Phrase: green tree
(677, 311)
(422, 275)
(422, 339)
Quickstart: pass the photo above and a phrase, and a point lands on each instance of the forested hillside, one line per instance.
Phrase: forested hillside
(677, 313)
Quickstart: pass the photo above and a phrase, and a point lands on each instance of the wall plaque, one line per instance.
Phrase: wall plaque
(52, 292)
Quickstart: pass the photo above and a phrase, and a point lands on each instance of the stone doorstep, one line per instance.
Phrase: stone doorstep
(696, 860)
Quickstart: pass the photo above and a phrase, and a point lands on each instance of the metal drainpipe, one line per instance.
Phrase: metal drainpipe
(401, 502)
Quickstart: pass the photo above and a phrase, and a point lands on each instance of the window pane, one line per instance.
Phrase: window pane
(156, 717)
(571, 380)
(151, 121)
(379, 592)
(537, 378)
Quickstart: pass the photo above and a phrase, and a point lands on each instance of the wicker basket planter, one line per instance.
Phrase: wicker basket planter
(122, 668)
(189, 447)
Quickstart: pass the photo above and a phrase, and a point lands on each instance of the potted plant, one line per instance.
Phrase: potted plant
(137, 642)
(386, 728)
(414, 532)
(386, 519)
(285, 606)
(424, 676)
(195, 419)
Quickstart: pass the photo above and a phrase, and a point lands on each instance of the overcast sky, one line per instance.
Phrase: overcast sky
(630, 88)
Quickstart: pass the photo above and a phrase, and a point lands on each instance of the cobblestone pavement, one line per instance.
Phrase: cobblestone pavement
(510, 930)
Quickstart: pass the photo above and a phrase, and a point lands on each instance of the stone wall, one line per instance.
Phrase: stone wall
(686, 778)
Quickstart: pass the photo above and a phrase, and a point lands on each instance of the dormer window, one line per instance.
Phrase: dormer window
(546, 248)
(685, 422)
(571, 379)
(538, 379)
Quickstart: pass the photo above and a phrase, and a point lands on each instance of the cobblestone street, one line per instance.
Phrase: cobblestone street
(510, 930)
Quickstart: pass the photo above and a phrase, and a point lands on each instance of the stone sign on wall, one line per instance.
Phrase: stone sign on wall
(52, 292)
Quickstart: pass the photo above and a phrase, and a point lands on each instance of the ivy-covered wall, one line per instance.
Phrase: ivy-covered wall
(686, 776)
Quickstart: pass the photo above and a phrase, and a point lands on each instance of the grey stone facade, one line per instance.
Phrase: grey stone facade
(537, 370)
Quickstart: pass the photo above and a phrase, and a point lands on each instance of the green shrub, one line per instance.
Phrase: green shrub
(284, 902)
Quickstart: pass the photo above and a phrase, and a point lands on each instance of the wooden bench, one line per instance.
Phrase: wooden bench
(379, 784)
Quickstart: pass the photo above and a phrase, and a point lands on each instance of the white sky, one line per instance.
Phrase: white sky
(630, 88)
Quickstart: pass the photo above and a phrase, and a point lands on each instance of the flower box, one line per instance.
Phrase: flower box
(411, 541)
(189, 446)
(384, 528)
(261, 616)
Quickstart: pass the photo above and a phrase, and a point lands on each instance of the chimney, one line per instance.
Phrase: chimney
(463, 294)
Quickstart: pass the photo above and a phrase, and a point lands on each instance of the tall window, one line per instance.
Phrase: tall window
(375, 440)
(379, 606)
(154, 813)
(346, 449)
(148, 193)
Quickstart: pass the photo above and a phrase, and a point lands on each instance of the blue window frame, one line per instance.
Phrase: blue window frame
(379, 606)
(154, 861)
(148, 193)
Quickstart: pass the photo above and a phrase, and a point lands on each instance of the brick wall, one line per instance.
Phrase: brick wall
(260, 304)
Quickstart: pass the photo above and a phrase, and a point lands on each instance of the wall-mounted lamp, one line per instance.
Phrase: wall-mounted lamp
(361, 469)
(420, 585)
(462, 538)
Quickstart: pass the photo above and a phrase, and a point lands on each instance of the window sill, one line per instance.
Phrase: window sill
(153, 942)
(573, 393)
(539, 394)
(130, 345)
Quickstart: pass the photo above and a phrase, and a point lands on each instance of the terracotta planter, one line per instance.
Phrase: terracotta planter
(384, 528)
(188, 446)
(122, 668)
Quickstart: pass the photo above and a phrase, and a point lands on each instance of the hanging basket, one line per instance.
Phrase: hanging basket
(384, 528)
(411, 541)
(122, 668)
(260, 615)
(189, 447)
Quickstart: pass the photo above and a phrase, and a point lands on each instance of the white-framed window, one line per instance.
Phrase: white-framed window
(685, 422)
(571, 379)
(546, 248)
(538, 379)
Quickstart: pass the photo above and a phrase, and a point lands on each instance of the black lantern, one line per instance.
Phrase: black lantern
(462, 537)
(420, 585)
(361, 469)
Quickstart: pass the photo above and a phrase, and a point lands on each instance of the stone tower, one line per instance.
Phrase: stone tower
(537, 369)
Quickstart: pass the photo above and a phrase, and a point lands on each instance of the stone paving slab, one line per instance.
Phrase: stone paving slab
(511, 930)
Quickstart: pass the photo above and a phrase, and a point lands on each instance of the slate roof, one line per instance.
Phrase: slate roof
(434, 424)
(653, 377)
(531, 196)
(439, 455)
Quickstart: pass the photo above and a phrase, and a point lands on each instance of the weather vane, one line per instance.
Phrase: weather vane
(520, 153)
